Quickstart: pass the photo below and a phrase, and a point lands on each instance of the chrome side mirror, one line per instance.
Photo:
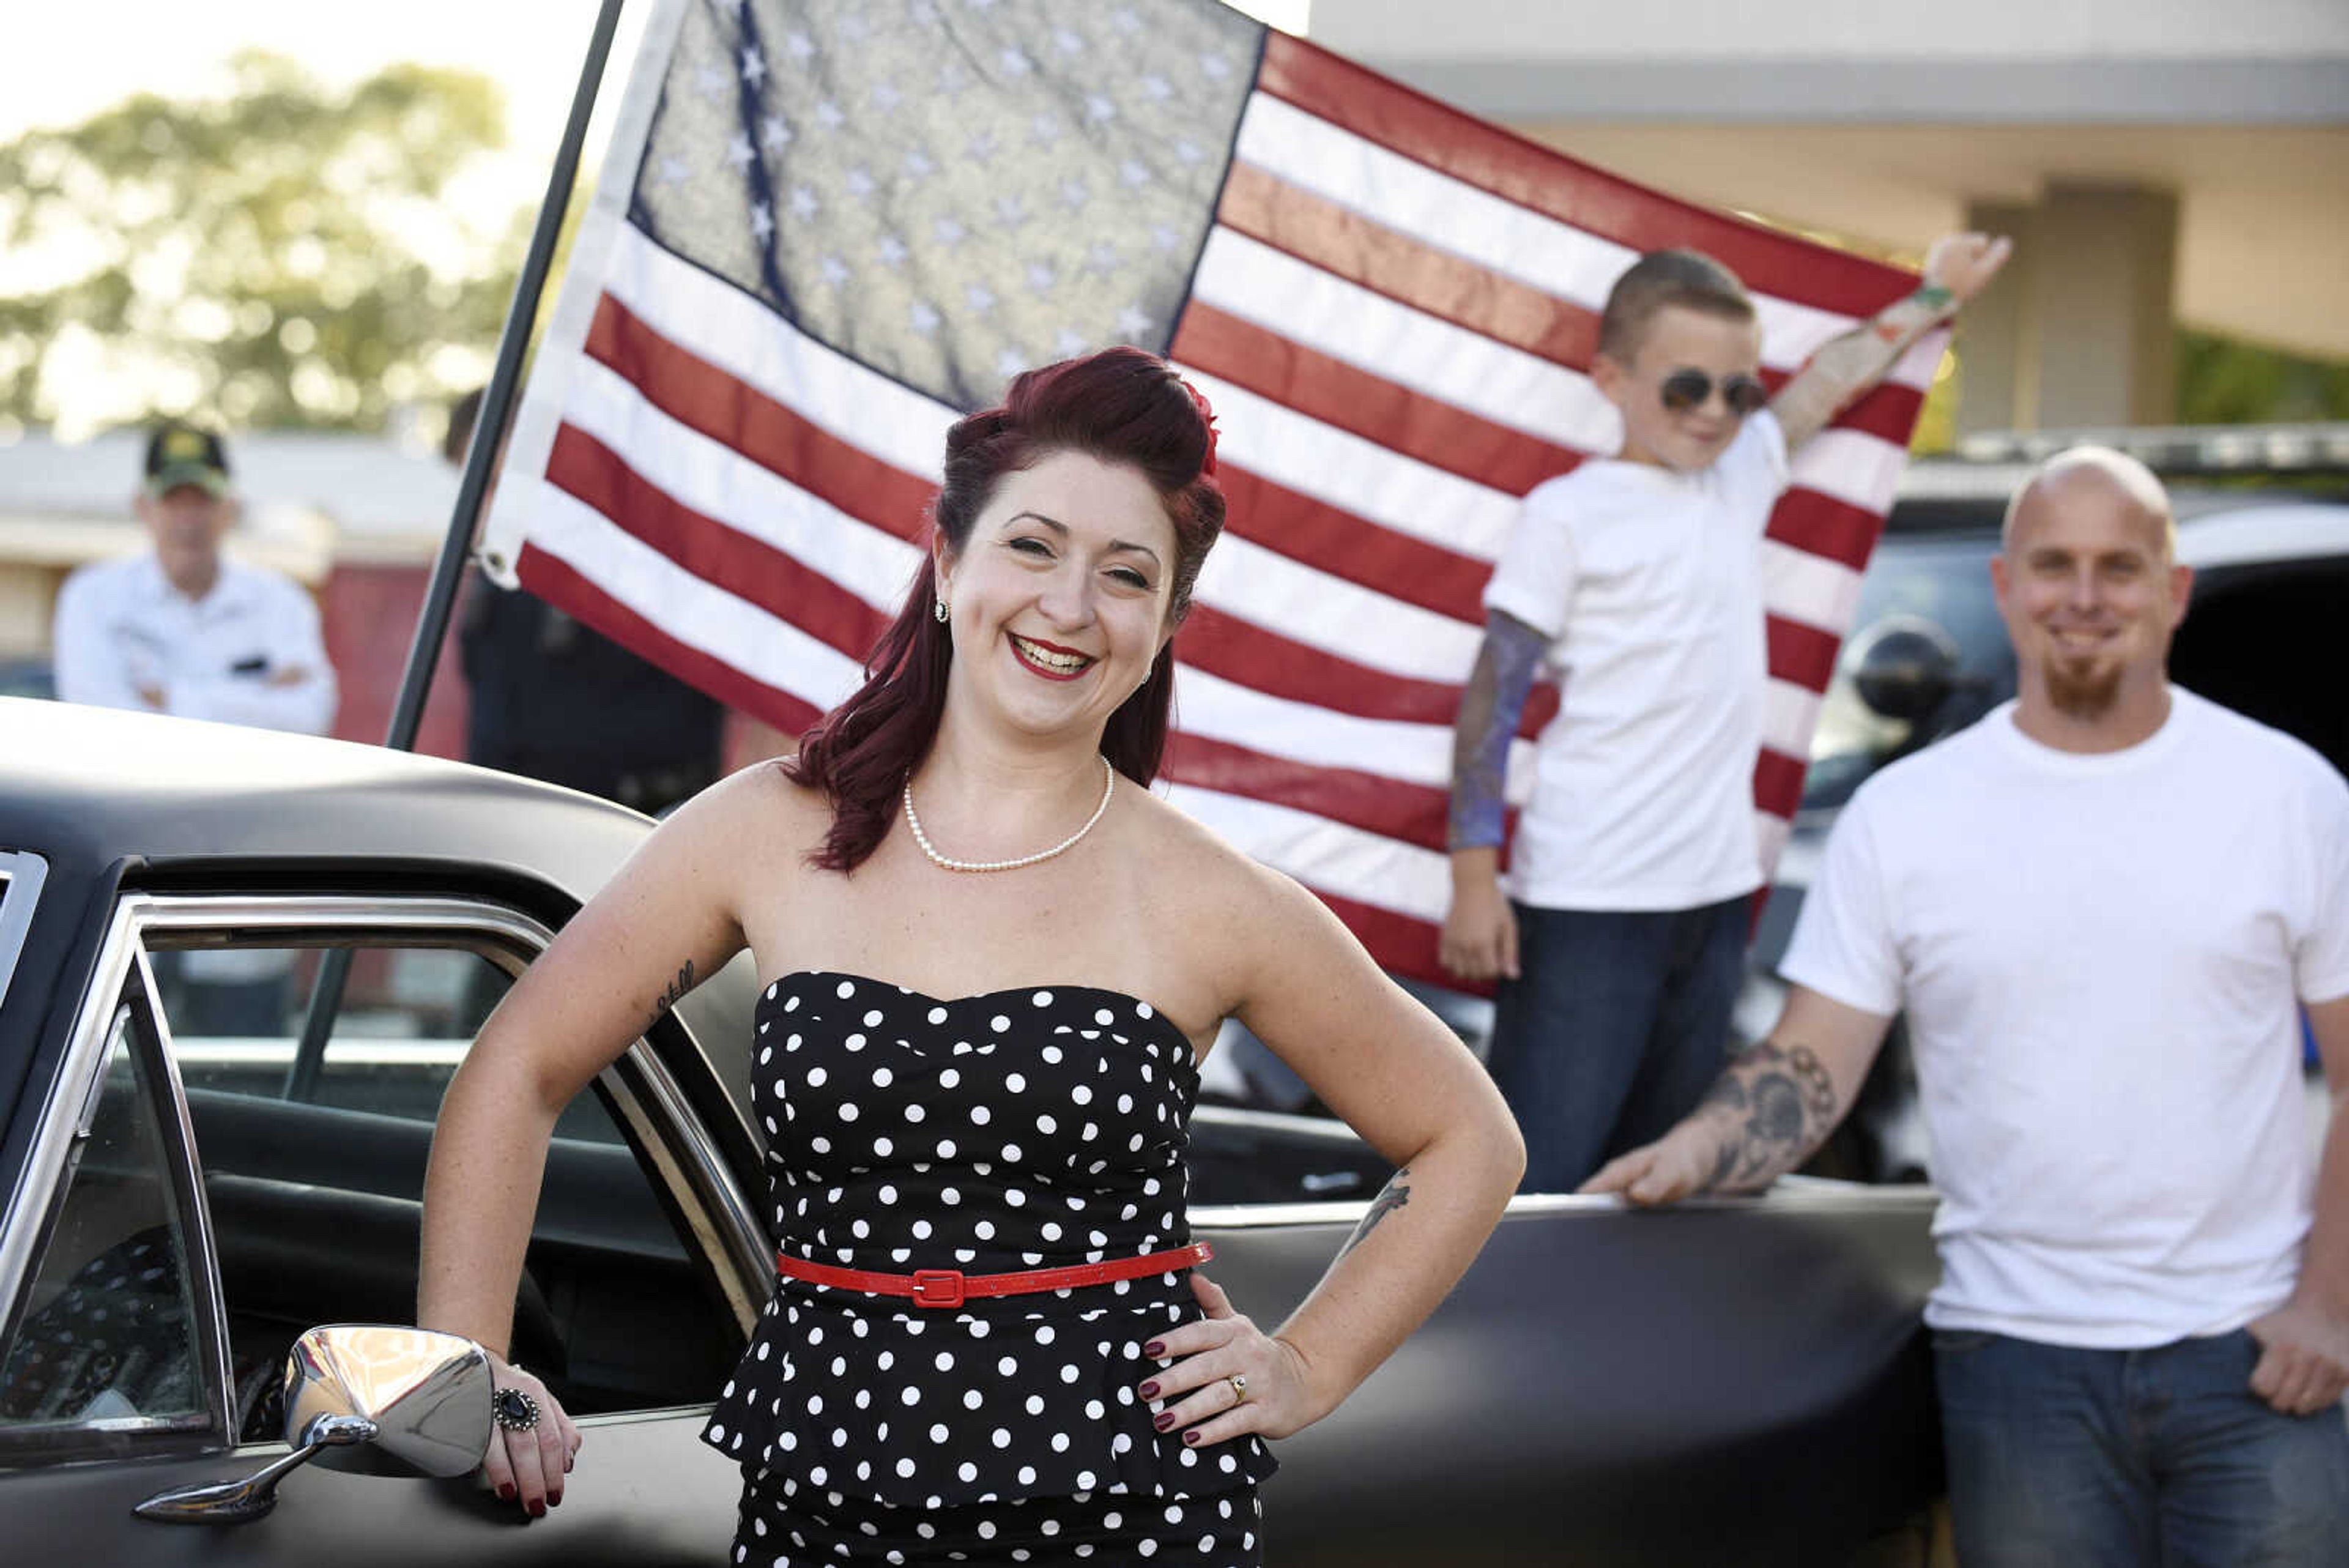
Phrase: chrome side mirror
(357, 1395)
(1905, 667)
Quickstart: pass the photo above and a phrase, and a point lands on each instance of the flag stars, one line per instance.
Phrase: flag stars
(1103, 259)
(1135, 173)
(803, 204)
(763, 222)
(709, 81)
(1099, 110)
(890, 251)
(1157, 87)
(1011, 211)
(754, 68)
(1012, 62)
(674, 171)
(1010, 363)
(1044, 130)
(924, 317)
(1068, 343)
(774, 133)
(860, 183)
(855, 28)
(833, 270)
(830, 114)
(739, 152)
(1164, 239)
(1042, 276)
(1124, 20)
(1189, 151)
(919, 165)
(885, 96)
(1215, 67)
(1068, 42)
(1075, 194)
(1133, 322)
(980, 298)
(948, 232)
(922, 14)
(980, 148)
(799, 46)
(954, 80)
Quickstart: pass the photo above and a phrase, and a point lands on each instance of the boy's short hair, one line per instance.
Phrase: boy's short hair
(1689, 279)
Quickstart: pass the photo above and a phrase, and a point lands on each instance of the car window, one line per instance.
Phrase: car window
(313, 1145)
(106, 1339)
(21, 874)
(1945, 582)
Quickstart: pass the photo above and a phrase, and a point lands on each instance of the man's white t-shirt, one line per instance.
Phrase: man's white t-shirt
(1648, 584)
(2101, 957)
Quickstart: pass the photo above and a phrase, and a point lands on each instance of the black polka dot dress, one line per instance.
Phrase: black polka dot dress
(1014, 1131)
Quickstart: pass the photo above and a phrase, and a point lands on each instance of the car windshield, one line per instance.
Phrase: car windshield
(1940, 578)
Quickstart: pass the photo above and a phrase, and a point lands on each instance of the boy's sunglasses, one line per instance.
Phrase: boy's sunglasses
(1686, 389)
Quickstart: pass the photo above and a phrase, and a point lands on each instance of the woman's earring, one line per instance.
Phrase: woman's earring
(939, 608)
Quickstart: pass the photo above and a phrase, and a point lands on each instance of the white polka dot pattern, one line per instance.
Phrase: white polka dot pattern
(1018, 1130)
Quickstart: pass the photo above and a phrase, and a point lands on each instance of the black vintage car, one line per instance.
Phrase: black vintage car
(199, 1165)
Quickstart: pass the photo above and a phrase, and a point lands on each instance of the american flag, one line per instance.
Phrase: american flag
(828, 228)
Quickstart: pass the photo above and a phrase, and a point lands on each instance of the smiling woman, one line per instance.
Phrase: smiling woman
(977, 1050)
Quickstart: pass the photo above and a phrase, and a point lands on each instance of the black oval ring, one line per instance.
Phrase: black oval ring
(513, 1409)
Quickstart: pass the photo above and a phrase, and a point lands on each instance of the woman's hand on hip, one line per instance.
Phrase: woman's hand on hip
(1228, 1377)
(529, 1465)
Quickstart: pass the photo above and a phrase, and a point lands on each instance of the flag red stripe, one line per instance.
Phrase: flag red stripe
(554, 580)
(1403, 944)
(1345, 244)
(1820, 525)
(748, 568)
(1802, 653)
(1414, 814)
(1325, 388)
(1889, 413)
(1336, 541)
(1544, 181)
(703, 397)
(1778, 781)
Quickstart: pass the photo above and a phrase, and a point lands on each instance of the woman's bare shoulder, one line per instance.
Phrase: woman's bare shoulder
(758, 813)
(1195, 866)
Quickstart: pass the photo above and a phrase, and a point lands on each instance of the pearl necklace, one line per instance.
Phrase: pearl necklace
(1109, 787)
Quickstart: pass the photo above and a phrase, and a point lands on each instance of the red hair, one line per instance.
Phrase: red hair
(1122, 406)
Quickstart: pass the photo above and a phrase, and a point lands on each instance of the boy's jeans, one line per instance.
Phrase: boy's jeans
(2062, 1457)
(1616, 1028)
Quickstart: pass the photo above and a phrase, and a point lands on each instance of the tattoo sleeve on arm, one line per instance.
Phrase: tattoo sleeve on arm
(1780, 1104)
(1393, 1196)
(1490, 706)
(1849, 365)
(676, 989)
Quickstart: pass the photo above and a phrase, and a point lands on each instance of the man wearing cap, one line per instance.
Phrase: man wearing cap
(180, 630)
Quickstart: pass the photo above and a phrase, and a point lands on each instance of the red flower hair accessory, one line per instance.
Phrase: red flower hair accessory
(1207, 417)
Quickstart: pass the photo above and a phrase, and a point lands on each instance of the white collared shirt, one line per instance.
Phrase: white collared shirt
(122, 626)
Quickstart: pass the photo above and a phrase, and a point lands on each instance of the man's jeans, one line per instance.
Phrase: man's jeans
(1616, 1028)
(2062, 1457)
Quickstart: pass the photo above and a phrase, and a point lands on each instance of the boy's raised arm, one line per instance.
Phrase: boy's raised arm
(1957, 268)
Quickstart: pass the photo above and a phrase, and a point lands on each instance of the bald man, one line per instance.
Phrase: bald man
(2102, 909)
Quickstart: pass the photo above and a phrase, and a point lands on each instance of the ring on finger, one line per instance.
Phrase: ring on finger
(513, 1409)
(1238, 1380)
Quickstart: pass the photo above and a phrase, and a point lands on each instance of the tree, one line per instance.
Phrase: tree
(282, 255)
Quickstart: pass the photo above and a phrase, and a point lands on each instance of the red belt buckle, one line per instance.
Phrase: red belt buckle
(938, 1287)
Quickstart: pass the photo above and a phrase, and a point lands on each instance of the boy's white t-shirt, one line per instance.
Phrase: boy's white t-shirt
(1648, 584)
(2101, 957)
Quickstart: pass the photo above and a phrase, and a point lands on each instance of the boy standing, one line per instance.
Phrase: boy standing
(1638, 580)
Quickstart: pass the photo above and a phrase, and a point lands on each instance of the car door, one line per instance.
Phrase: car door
(212, 1177)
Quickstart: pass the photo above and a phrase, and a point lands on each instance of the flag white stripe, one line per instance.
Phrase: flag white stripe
(1355, 475)
(1219, 710)
(1368, 867)
(1789, 713)
(1852, 466)
(1808, 588)
(1384, 338)
(695, 612)
(719, 482)
(1335, 614)
(716, 321)
(1493, 232)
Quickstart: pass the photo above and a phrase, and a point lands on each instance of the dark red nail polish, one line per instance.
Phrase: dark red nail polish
(555, 1500)
(1163, 1419)
(538, 1511)
(1154, 1348)
(506, 1492)
(1191, 1436)
(1150, 1390)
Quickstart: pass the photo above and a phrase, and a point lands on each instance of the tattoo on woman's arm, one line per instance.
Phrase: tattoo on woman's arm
(1393, 1196)
(1782, 1102)
(676, 990)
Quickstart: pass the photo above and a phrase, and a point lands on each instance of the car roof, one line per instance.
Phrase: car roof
(96, 785)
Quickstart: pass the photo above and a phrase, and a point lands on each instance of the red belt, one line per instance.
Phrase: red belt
(952, 1287)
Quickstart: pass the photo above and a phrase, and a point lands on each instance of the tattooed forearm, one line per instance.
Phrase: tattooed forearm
(1779, 1104)
(1848, 366)
(1490, 706)
(1393, 1196)
(677, 988)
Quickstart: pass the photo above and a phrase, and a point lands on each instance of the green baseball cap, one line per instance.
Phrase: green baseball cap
(180, 454)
